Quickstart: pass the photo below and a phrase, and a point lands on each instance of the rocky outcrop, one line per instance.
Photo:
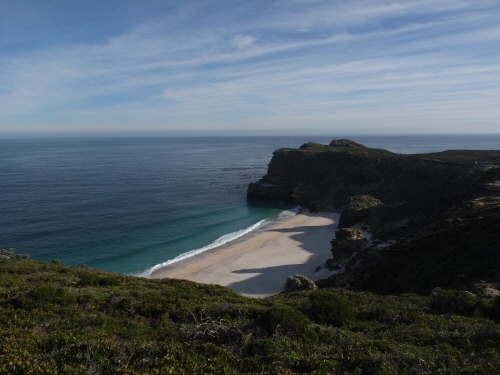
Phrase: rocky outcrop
(348, 242)
(358, 209)
(299, 282)
(413, 188)
(347, 143)
(487, 290)
(456, 252)
(9, 254)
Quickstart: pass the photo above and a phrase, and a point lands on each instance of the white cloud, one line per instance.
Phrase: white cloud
(353, 62)
(243, 41)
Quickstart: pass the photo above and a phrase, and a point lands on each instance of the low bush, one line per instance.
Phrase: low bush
(457, 302)
(329, 308)
(495, 309)
(282, 319)
(98, 280)
(45, 295)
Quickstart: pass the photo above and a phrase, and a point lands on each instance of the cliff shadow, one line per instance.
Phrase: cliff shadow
(294, 251)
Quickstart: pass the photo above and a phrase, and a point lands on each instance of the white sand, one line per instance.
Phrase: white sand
(259, 265)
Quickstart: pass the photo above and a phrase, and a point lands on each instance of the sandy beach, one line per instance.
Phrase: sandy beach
(259, 265)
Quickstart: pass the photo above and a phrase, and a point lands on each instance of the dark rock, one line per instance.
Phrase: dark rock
(358, 209)
(333, 265)
(7, 254)
(362, 202)
(345, 143)
(347, 242)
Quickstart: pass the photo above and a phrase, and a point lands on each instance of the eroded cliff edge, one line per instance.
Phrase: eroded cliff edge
(411, 187)
(422, 205)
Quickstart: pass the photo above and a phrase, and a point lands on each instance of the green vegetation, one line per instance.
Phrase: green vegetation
(56, 319)
(318, 147)
(491, 157)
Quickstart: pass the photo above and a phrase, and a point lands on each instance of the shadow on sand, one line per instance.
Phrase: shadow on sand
(313, 240)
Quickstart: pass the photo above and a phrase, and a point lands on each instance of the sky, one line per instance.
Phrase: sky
(250, 67)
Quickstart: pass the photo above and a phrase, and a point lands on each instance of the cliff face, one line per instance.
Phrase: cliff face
(411, 187)
(458, 252)
(441, 212)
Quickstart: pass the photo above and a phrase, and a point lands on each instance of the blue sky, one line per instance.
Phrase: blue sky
(250, 67)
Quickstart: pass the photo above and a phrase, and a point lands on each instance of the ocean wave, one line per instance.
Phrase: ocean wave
(289, 213)
(221, 241)
(218, 242)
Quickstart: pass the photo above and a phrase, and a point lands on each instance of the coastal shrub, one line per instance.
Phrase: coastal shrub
(331, 309)
(152, 304)
(420, 301)
(264, 348)
(109, 281)
(47, 293)
(282, 318)
(98, 280)
(495, 309)
(455, 302)
(86, 298)
(88, 280)
(216, 331)
(44, 295)
(376, 312)
(232, 311)
(128, 329)
(119, 303)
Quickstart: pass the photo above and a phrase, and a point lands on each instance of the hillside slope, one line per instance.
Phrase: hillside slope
(56, 319)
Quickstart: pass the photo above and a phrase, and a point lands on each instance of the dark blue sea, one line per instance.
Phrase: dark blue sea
(128, 204)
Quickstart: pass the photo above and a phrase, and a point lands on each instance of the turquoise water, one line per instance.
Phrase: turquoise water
(129, 204)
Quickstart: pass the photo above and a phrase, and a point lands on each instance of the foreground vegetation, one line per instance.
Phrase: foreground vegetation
(61, 320)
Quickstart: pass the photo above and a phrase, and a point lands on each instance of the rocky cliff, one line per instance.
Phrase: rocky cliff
(434, 217)
(408, 189)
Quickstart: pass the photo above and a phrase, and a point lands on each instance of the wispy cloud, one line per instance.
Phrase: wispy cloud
(374, 65)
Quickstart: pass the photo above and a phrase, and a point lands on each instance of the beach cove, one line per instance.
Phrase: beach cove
(154, 200)
(259, 265)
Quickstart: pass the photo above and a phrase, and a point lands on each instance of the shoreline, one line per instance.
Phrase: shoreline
(249, 232)
(258, 265)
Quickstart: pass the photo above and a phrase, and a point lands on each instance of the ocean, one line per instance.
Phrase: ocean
(130, 204)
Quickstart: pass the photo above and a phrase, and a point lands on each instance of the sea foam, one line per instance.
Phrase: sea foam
(222, 240)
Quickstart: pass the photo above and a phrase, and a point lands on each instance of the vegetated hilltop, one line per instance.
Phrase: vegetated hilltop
(57, 319)
(434, 217)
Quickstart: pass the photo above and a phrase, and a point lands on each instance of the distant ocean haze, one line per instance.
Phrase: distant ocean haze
(129, 204)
